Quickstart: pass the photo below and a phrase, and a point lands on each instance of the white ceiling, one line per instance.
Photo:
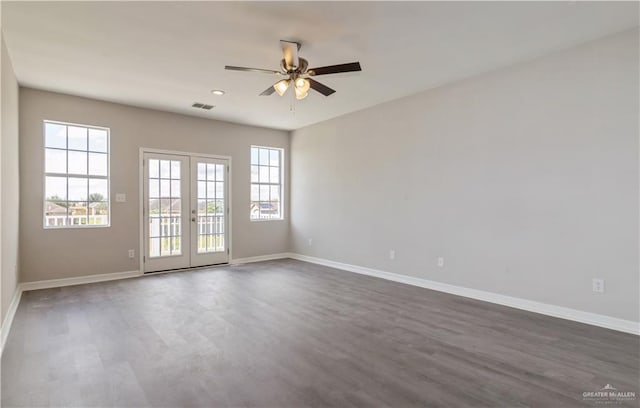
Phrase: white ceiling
(167, 55)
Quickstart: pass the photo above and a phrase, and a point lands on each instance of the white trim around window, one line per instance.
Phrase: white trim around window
(76, 176)
(266, 165)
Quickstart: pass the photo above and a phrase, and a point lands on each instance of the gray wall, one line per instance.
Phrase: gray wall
(52, 254)
(9, 181)
(524, 179)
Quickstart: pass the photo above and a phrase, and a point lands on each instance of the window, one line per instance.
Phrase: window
(266, 183)
(76, 173)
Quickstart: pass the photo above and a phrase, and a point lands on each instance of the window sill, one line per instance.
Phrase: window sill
(266, 219)
(79, 227)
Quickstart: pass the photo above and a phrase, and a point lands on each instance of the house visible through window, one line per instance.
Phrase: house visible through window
(76, 175)
(266, 183)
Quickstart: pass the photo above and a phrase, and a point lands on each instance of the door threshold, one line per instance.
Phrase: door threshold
(190, 268)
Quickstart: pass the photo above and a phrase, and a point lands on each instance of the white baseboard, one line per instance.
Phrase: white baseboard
(594, 319)
(8, 319)
(260, 258)
(80, 280)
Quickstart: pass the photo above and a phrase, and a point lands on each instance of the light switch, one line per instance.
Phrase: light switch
(121, 198)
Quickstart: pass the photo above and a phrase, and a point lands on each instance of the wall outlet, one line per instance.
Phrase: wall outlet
(310, 241)
(121, 198)
(440, 262)
(132, 253)
(392, 254)
(598, 285)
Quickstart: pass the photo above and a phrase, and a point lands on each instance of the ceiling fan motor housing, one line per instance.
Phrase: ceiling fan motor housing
(300, 69)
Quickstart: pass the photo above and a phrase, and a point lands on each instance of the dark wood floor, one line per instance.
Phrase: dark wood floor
(291, 334)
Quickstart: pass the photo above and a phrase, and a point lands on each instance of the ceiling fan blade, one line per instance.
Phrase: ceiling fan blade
(290, 51)
(323, 89)
(245, 69)
(335, 69)
(268, 91)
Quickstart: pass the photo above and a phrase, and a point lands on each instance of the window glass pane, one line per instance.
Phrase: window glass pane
(219, 189)
(55, 135)
(97, 164)
(165, 206)
(98, 213)
(202, 171)
(255, 188)
(78, 189)
(264, 157)
(254, 174)
(274, 157)
(164, 168)
(274, 174)
(77, 137)
(165, 188)
(254, 156)
(175, 188)
(154, 206)
(175, 169)
(98, 140)
(202, 207)
(211, 171)
(56, 212)
(264, 193)
(275, 193)
(55, 161)
(220, 207)
(77, 162)
(154, 188)
(176, 206)
(56, 189)
(98, 190)
(154, 168)
(255, 209)
(211, 189)
(220, 172)
(78, 212)
(275, 206)
(264, 174)
(211, 207)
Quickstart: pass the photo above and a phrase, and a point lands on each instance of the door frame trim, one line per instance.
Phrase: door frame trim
(141, 153)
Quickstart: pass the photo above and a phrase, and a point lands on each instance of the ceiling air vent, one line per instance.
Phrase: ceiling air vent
(199, 105)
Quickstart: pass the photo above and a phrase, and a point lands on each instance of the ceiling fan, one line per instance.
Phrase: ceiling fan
(296, 72)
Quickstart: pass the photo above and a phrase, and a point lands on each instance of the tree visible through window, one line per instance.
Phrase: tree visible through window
(76, 175)
(266, 183)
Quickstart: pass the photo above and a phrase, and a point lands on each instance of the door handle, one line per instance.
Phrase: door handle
(193, 219)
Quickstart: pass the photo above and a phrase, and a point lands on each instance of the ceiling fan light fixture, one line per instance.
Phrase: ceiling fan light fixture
(303, 85)
(281, 86)
(301, 94)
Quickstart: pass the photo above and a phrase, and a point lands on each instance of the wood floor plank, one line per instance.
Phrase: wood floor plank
(292, 334)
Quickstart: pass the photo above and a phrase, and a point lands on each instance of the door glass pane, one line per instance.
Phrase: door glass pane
(210, 228)
(165, 208)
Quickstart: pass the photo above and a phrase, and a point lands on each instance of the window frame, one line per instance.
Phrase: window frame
(67, 175)
(281, 184)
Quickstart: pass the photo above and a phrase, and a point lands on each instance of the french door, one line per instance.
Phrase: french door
(186, 212)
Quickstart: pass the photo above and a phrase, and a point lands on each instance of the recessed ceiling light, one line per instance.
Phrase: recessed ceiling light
(218, 92)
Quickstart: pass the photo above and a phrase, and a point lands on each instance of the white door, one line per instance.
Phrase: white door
(185, 211)
(210, 211)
